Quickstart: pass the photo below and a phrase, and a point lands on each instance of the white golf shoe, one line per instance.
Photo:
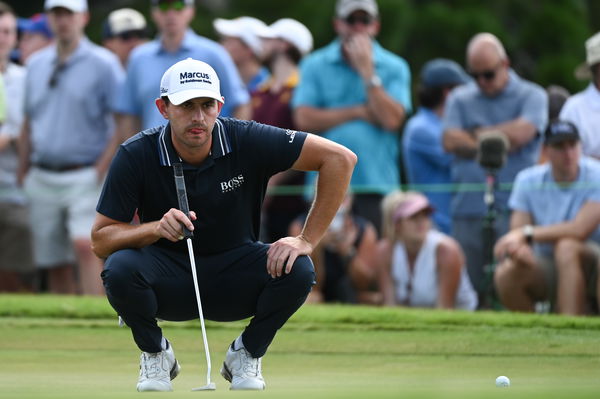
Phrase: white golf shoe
(242, 370)
(157, 370)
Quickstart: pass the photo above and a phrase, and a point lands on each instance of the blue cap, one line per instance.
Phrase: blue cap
(36, 24)
(443, 72)
(559, 131)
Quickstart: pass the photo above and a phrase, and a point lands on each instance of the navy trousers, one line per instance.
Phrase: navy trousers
(152, 282)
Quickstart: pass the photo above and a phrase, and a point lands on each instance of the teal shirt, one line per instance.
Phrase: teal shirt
(327, 81)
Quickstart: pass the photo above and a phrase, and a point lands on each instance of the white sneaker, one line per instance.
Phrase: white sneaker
(157, 370)
(242, 370)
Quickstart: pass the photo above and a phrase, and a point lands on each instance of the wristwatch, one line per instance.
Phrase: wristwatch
(528, 233)
(374, 81)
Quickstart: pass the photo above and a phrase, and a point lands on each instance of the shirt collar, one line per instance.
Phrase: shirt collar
(221, 144)
(186, 44)
(80, 51)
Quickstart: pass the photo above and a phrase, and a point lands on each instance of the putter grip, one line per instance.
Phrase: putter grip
(182, 197)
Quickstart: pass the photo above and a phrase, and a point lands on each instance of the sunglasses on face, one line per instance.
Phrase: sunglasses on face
(131, 35)
(171, 5)
(362, 19)
(488, 74)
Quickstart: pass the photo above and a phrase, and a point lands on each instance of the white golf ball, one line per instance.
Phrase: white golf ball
(502, 382)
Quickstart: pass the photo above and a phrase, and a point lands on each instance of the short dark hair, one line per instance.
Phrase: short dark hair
(431, 97)
(595, 69)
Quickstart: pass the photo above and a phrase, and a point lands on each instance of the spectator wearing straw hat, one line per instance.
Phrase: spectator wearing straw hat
(583, 108)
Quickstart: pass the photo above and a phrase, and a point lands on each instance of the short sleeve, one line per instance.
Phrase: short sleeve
(121, 191)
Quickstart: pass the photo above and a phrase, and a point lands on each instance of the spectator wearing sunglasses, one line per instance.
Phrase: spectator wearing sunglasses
(70, 89)
(123, 30)
(356, 93)
(176, 41)
(497, 99)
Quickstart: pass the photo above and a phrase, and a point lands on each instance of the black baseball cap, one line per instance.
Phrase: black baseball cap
(559, 131)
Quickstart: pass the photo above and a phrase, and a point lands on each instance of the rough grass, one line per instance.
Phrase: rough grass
(71, 347)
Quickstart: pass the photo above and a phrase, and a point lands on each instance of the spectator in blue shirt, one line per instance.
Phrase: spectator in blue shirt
(356, 93)
(552, 250)
(175, 42)
(497, 99)
(427, 164)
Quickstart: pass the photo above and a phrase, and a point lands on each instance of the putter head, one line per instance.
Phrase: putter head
(208, 387)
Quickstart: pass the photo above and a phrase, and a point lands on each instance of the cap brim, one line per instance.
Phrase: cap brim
(184, 95)
(413, 209)
(226, 27)
(559, 138)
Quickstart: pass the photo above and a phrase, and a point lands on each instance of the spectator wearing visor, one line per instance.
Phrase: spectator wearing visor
(123, 30)
(240, 38)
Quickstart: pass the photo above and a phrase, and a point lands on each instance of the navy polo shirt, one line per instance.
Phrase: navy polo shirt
(226, 191)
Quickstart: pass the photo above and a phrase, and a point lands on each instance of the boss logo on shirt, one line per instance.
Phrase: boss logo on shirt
(292, 134)
(232, 184)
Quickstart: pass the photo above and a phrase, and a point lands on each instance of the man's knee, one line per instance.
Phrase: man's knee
(121, 271)
(566, 250)
(302, 277)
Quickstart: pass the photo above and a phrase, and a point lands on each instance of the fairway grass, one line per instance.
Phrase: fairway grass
(51, 348)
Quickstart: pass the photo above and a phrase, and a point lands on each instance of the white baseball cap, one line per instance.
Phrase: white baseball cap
(592, 49)
(125, 20)
(292, 31)
(592, 56)
(344, 8)
(73, 5)
(244, 28)
(189, 79)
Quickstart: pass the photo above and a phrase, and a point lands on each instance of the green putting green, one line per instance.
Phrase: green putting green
(70, 347)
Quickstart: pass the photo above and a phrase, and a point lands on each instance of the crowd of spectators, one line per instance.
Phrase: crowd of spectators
(67, 103)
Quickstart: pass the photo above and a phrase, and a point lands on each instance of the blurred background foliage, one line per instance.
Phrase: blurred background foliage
(544, 39)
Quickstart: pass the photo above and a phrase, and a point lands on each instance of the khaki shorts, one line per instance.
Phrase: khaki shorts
(63, 208)
(590, 269)
(15, 239)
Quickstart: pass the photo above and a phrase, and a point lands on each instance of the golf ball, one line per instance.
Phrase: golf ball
(502, 382)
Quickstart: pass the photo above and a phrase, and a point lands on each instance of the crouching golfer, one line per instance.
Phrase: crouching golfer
(227, 164)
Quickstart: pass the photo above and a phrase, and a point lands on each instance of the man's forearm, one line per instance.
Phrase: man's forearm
(387, 112)
(114, 237)
(317, 120)
(518, 131)
(460, 143)
(332, 185)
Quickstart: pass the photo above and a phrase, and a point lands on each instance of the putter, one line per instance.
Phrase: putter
(184, 207)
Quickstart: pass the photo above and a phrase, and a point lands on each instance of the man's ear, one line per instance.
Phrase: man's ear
(162, 107)
(220, 104)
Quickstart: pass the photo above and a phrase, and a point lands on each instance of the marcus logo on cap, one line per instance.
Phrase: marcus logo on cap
(189, 79)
